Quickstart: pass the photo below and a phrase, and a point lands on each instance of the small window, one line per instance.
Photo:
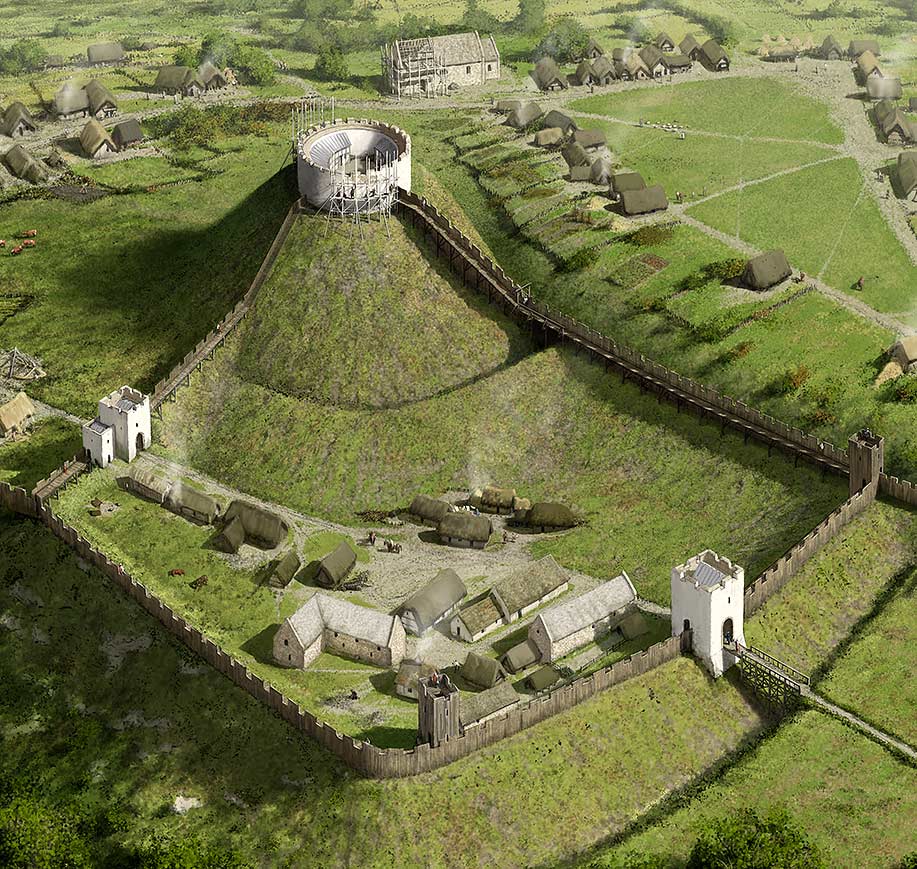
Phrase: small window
(489, 67)
(286, 642)
(335, 633)
(378, 648)
(467, 70)
(289, 657)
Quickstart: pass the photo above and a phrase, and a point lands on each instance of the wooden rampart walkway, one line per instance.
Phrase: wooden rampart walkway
(52, 486)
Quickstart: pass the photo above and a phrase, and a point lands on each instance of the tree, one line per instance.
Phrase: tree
(186, 55)
(33, 836)
(331, 65)
(25, 55)
(253, 65)
(475, 18)
(748, 841)
(565, 41)
(531, 16)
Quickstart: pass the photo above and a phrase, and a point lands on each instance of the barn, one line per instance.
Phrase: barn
(543, 678)
(127, 133)
(575, 154)
(328, 624)
(334, 568)
(179, 80)
(465, 529)
(16, 413)
(436, 601)
(545, 516)
(565, 627)
(867, 65)
(95, 141)
(590, 140)
(186, 501)
(528, 587)
(601, 171)
(23, 165)
(689, 46)
(766, 270)
(262, 528)
(676, 63)
(104, 53)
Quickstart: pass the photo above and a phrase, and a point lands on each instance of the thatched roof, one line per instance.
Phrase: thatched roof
(152, 479)
(437, 597)
(16, 114)
(878, 88)
(474, 707)
(896, 122)
(528, 584)
(542, 678)
(644, 201)
(70, 99)
(549, 514)
(767, 269)
(105, 52)
(593, 49)
(867, 63)
(677, 61)
(211, 76)
(23, 165)
(285, 569)
(689, 45)
(99, 96)
(591, 138)
(604, 69)
(858, 46)
(231, 537)
(907, 171)
(601, 171)
(547, 74)
(575, 155)
(410, 671)
(567, 618)
(181, 496)
(127, 133)
(549, 136)
(905, 351)
(664, 42)
(584, 73)
(481, 671)
(830, 47)
(524, 116)
(335, 566)
(94, 137)
(712, 53)
(651, 56)
(507, 106)
(633, 626)
(521, 656)
(480, 615)
(496, 497)
(623, 181)
(15, 412)
(465, 526)
(260, 525)
(557, 118)
(429, 509)
(174, 78)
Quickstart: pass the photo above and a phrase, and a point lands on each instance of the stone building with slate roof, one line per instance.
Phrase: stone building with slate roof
(328, 624)
(434, 65)
(566, 626)
(437, 600)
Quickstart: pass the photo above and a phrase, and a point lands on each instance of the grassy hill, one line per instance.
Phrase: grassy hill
(368, 319)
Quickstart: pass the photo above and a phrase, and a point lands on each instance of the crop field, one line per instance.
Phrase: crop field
(128, 718)
(548, 423)
(804, 623)
(874, 676)
(857, 802)
(833, 233)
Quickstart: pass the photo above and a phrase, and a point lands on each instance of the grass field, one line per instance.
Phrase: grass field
(856, 802)
(548, 423)
(126, 717)
(50, 443)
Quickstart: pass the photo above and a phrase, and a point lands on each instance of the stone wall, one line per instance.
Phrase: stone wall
(483, 275)
(780, 572)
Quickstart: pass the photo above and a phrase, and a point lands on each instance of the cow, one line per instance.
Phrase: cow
(176, 571)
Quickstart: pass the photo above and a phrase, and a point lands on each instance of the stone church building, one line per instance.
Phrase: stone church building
(434, 65)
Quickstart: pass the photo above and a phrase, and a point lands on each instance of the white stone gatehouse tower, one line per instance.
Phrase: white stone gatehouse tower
(121, 430)
(708, 598)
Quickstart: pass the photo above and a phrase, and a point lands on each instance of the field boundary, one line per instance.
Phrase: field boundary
(361, 756)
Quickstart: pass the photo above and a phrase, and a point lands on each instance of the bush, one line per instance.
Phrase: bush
(792, 379)
(565, 41)
(582, 259)
(331, 64)
(904, 389)
(26, 55)
(253, 65)
(646, 236)
(186, 55)
(724, 270)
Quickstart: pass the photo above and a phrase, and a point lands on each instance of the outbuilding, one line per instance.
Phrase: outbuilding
(284, 570)
(334, 568)
(437, 600)
(127, 133)
(17, 121)
(550, 137)
(527, 588)
(409, 675)
(521, 656)
(766, 270)
(211, 77)
(464, 529)
(231, 536)
(867, 65)
(16, 413)
(476, 620)
(481, 707)
(713, 57)
(105, 53)
(831, 49)
(543, 678)
(664, 42)
(429, 511)
(179, 80)
(523, 117)
(590, 140)
(481, 671)
(601, 171)
(624, 181)
(634, 202)
(896, 129)
(545, 516)
(547, 75)
(677, 63)
(858, 47)
(575, 154)
(557, 118)
(495, 499)
(95, 141)
(23, 165)
(907, 174)
(102, 103)
(148, 482)
(262, 528)
(188, 502)
(563, 628)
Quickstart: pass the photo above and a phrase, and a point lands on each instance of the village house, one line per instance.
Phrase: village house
(429, 511)
(584, 74)
(95, 141)
(524, 116)
(147, 482)
(624, 181)
(179, 80)
(493, 499)
(894, 126)
(653, 60)
(284, 570)
(481, 671)
(632, 68)
(103, 53)
(589, 140)
(191, 504)
(689, 45)
(766, 270)
(547, 75)
(122, 428)
(70, 101)
(575, 155)
(831, 49)
(521, 656)
(409, 675)
(677, 63)
(485, 705)
(664, 42)
(528, 587)
(867, 66)
(437, 600)
(211, 77)
(17, 121)
(879, 88)
(859, 46)
(601, 171)
(906, 171)
(23, 165)
(712, 56)
(782, 54)
(646, 201)
(434, 65)
(904, 351)
(593, 50)
(565, 627)
(464, 529)
(248, 523)
(708, 599)
(543, 678)
(476, 620)
(102, 103)
(549, 137)
(126, 134)
(328, 624)
(603, 70)
(335, 567)
(15, 414)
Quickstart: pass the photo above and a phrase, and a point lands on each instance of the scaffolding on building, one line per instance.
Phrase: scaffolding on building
(362, 188)
(413, 68)
(309, 112)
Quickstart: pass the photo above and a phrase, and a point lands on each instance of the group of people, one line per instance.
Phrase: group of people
(388, 544)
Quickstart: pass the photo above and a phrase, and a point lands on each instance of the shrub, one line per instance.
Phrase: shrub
(649, 235)
(740, 351)
(25, 55)
(792, 379)
(583, 258)
(331, 64)
(904, 389)
(565, 41)
(724, 270)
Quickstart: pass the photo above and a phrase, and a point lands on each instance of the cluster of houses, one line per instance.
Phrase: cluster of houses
(659, 59)
(187, 82)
